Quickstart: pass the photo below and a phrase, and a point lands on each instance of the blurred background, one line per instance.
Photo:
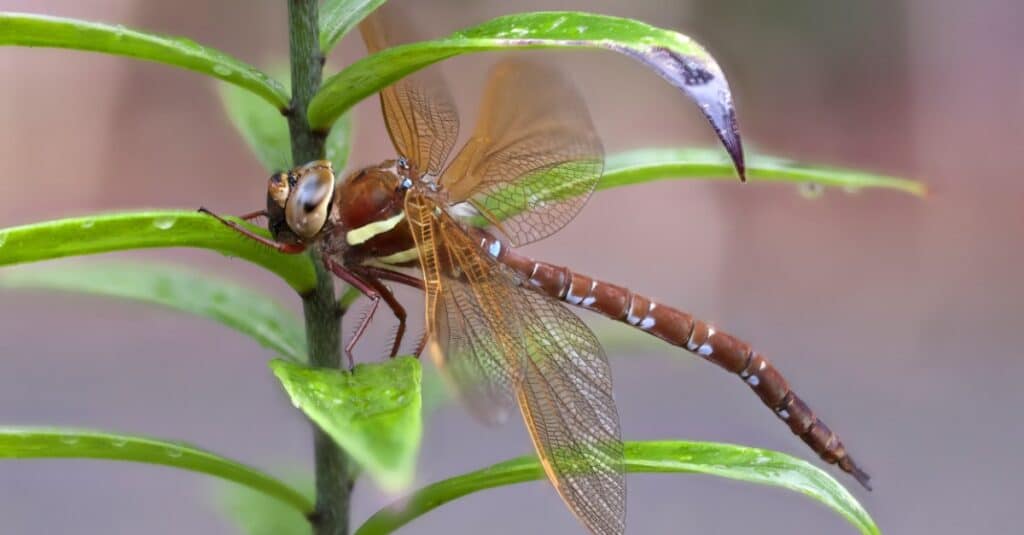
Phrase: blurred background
(897, 318)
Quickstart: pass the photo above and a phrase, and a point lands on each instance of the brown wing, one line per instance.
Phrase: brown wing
(534, 158)
(418, 109)
(486, 326)
(482, 360)
(567, 404)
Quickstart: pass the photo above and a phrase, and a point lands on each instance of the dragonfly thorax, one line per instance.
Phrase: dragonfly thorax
(369, 214)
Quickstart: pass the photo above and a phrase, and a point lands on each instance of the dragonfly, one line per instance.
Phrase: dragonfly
(498, 325)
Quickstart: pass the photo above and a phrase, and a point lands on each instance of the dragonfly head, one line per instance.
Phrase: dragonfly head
(299, 201)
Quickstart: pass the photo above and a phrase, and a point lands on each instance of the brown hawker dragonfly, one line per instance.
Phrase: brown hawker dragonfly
(496, 323)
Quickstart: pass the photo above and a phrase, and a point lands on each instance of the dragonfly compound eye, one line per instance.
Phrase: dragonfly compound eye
(309, 203)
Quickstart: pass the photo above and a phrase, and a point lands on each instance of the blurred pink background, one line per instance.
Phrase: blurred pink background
(898, 319)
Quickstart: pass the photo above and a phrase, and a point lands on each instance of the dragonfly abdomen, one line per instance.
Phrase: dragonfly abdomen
(696, 336)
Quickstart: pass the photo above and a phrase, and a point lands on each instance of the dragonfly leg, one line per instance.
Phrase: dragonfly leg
(400, 278)
(393, 276)
(353, 279)
(253, 215)
(396, 308)
(287, 248)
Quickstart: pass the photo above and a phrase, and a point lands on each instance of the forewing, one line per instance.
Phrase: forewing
(567, 404)
(534, 158)
(482, 357)
(418, 109)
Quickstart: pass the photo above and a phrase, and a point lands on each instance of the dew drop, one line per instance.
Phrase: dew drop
(118, 443)
(174, 453)
(222, 70)
(88, 223)
(3, 238)
(811, 190)
(164, 223)
(69, 440)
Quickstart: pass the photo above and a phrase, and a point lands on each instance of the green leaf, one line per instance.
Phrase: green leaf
(646, 165)
(673, 56)
(262, 127)
(239, 308)
(48, 443)
(372, 412)
(338, 17)
(255, 513)
(24, 29)
(724, 460)
(265, 130)
(138, 230)
(338, 144)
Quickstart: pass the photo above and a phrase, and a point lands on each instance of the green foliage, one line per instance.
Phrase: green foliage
(265, 130)
(225, 302)
(338, 17)
(167, 228)
(255, 513)
(46, 443)
(723, 460)
(39, 30)
(526, 30)
(373, 412)
(645, 165)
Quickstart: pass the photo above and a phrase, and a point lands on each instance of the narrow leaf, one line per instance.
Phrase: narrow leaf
(373, 412)
(46, 443)
(673, 56)
(723, 460)
(261, 125)
(25, 29)
(265, 130)
(255, 513)
(138, 230)
(338, 17)
(239, 308)
(646, 165)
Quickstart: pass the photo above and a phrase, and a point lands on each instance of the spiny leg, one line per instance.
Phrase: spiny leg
(287, 248)
(252, 215)
(408, 280)
(396, 308)
(366, 289)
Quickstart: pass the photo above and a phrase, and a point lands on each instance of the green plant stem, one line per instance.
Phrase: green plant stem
(333, 483)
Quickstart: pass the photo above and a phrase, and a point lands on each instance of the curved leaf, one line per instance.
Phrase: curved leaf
(265, 130)
(372, 412)
(724, 460)
(673, 56)
(169, 228)
(338, 17)
(646, 165)
(239, 308)
(254, 513)
(47, 443)
(25, 29)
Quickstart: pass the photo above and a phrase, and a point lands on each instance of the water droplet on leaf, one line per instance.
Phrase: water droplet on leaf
(88, 223)
(164, 223)
(222, 70)
(118, 443)
(69, 440)
(173, 452)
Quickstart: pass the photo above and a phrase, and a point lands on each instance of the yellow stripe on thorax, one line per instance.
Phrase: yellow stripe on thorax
(365, 232)
(400, 257)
